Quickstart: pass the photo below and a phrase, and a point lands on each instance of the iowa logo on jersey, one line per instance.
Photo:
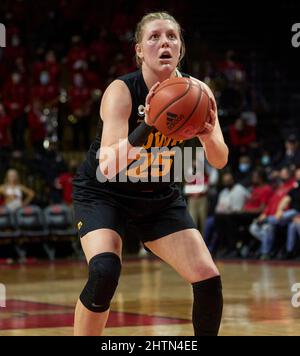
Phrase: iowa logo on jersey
(157, 139)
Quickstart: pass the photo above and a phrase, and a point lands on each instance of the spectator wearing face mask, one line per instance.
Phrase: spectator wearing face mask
(243, 174)
(45, 91)
(266, 161)
(48, 64)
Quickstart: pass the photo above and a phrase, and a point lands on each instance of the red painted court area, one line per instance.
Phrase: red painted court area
(26, 315)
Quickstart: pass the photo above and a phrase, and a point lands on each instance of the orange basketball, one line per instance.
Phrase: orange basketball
(179, 108)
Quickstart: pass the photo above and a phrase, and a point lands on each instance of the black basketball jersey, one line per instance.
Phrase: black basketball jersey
(139, 175)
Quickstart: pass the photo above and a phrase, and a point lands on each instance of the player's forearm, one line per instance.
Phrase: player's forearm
(118, 156)
(115, 158)
(216, 152)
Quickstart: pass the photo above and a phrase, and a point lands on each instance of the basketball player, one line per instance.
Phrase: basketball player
(106, 212)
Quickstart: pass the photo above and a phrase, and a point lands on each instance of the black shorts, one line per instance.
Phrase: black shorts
(146, 216)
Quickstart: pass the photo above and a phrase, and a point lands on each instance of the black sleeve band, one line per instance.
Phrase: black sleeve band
(138, 137)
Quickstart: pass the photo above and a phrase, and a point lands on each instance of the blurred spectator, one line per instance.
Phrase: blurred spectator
(76, 54)
(15, 96)
(243, 174)
(231, 200)
(291, 155)
(36, 124)
(288, 210)
(196, 193)
(64, 182)
(232, 69)
(14, 193)
(49, 65)
(5, 140)
(262, 227)
(242, 137)
(14, 48)
(50, 164)
(5, 122)
(260, 194)
(293, 235)
(266, 160)
(80, 105)
(46, 91)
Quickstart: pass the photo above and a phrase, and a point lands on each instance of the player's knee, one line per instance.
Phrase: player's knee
(201, 272)
(104, 273)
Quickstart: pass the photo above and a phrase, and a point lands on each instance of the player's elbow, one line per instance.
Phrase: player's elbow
(220, 165)
(222, 159)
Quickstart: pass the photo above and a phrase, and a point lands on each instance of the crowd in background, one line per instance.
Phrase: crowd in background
(53, 72)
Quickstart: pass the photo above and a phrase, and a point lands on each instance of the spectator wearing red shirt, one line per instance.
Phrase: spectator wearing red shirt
(241, 134)
(49, 65)
(80, 105)
(76, 54)
(5, 122)
(15, 95)
(46, 91)
(101, 48)
(5, 139)
(36, 126)
(64, 183)
(242, 138)
(260, 195)
(231, 68)
(14, 48)
(262, 228)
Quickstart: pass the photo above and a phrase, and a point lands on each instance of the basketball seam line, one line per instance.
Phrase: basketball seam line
(171, 84)
(194, 109)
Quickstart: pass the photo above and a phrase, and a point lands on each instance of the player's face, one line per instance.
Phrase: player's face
(160, 46)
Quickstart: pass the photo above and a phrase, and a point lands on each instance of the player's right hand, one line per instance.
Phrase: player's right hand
(147, 104)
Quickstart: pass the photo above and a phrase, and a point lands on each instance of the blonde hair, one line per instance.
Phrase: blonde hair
(11, 170)
(152, 16)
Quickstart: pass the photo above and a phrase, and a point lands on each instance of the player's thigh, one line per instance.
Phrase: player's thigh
(187, 253)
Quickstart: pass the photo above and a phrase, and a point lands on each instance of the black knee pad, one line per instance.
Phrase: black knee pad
(104, 273)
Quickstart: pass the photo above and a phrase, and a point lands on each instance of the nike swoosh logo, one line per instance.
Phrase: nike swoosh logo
(96, 306)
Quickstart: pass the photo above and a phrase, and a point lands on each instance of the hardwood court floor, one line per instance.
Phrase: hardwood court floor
(151, 299)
